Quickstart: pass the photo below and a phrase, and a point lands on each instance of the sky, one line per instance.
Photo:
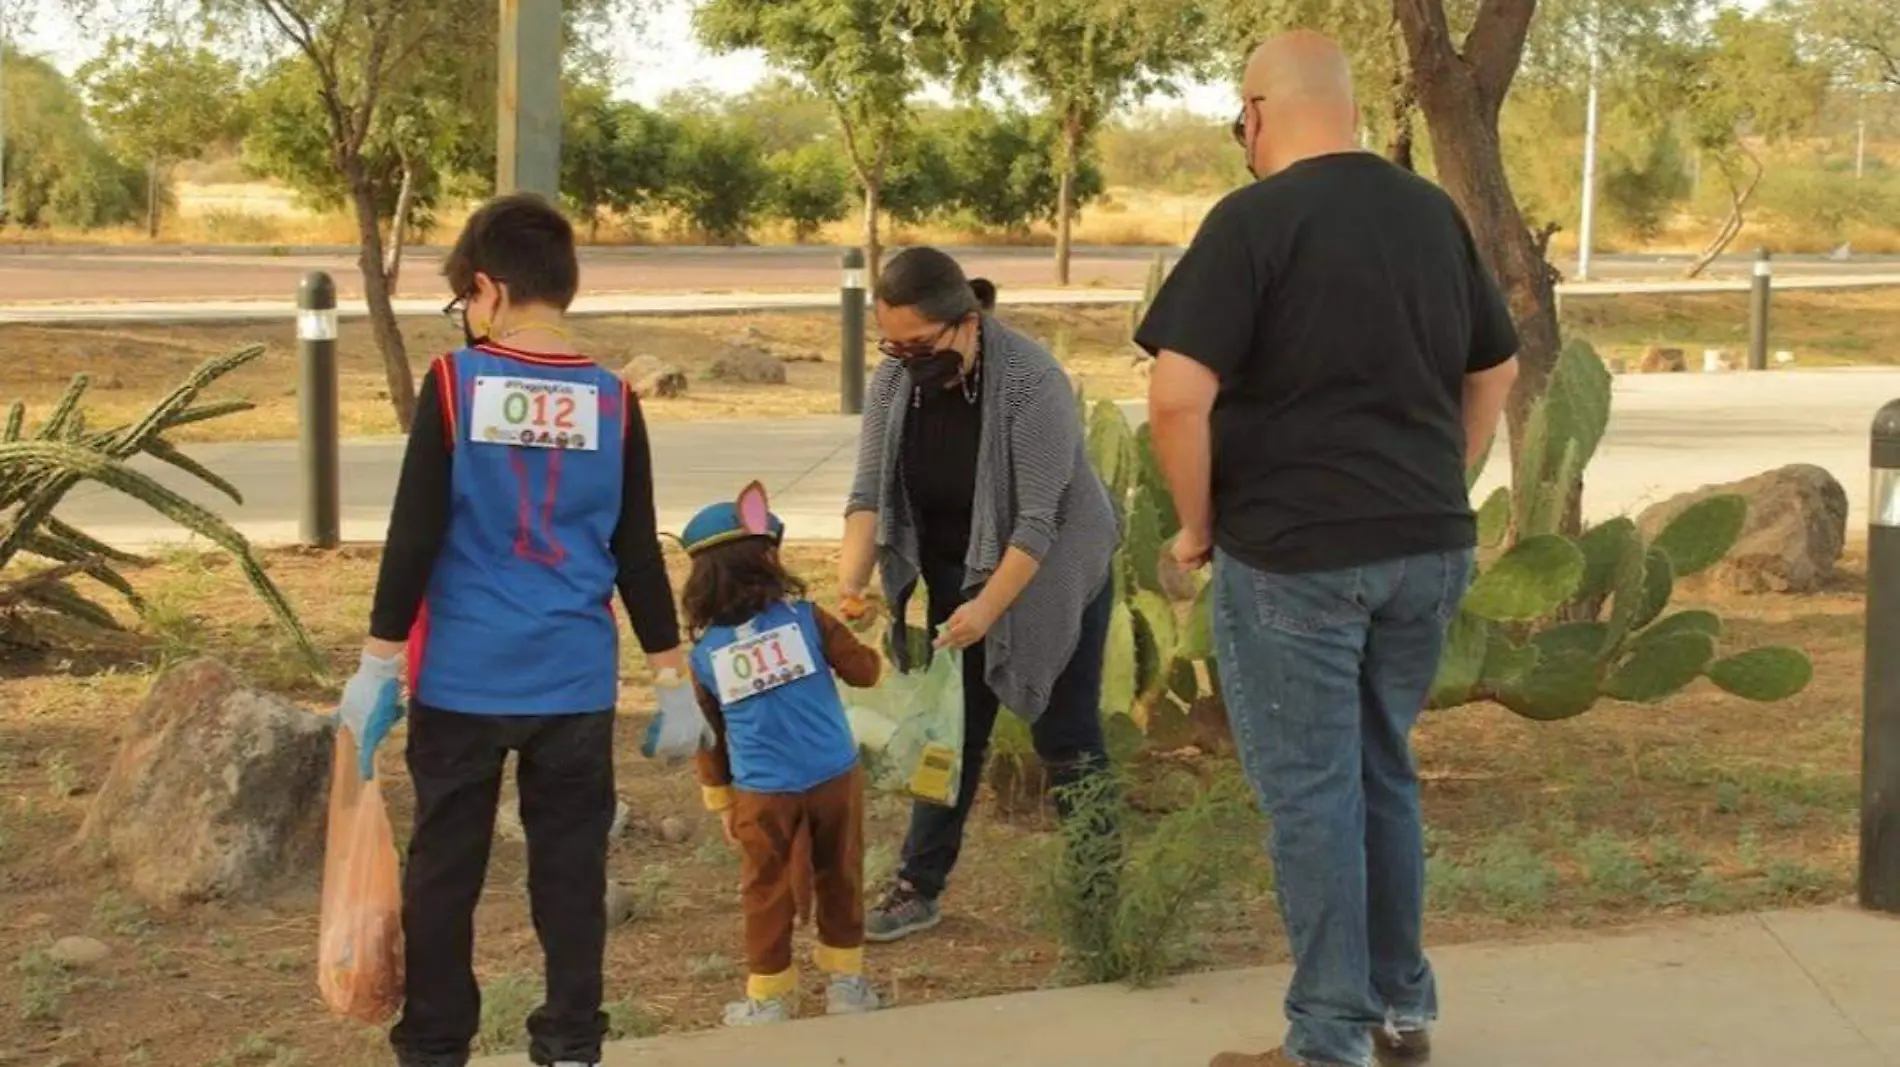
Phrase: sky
(664, 57)
(661, 59)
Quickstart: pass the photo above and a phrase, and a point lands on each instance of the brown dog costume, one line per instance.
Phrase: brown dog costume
(802, 854)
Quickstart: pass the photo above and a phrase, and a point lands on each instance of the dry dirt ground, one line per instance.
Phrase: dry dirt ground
(131, 366)
(1701, 805)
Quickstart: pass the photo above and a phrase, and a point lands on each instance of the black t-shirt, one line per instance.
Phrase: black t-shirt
(1342, 303)
(941, 433)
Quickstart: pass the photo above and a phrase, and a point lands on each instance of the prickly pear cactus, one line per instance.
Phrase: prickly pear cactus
(1150, 288)
(1556, 623)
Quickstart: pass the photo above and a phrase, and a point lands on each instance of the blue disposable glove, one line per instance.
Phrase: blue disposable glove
(679, 729)
(371, 706)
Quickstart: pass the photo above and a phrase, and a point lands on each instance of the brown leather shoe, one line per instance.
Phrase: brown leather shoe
(1403, 1048)
(1275, 1058)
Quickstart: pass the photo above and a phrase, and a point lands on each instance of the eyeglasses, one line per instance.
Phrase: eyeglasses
(917, 349)
(454, 311)
(1239, 129)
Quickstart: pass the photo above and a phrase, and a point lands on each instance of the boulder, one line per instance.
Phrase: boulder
(78, 952)
(748, 365)
(653, 378)
(219, 791)
(784, 351)
(1796, 530)
(1659, 360)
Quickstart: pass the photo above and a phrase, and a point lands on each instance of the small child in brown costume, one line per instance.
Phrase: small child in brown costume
(785, 767)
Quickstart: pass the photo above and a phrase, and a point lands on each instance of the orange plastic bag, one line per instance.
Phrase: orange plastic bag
(359, 943)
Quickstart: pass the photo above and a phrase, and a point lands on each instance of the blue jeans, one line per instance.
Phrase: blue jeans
(1325, 675)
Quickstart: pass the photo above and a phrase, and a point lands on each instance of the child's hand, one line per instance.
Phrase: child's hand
(729, 822)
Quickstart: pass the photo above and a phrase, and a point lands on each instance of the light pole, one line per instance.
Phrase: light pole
(1587, 229)
(1860, 139)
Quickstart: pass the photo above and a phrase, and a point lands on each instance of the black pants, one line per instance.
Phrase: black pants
(566, 780)
(1067, 737)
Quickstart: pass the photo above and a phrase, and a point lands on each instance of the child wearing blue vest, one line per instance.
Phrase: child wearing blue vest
(784, 765)
(525, 501)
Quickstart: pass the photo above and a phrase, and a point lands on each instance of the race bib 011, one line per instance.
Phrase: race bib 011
(755, 665)
(535, 413)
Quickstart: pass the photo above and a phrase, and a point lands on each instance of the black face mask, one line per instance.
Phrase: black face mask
(936, 370)
(469, 334)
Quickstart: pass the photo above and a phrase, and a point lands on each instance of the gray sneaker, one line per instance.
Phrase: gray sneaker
(903, 912)
(758, 1012)
(850, 995)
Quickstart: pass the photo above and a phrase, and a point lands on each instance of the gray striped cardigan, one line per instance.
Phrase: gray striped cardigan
(1035, 490)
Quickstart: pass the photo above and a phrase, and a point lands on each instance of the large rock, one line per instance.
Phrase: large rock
(1796, 530)
(653, 378)
(748, 365)
(219, 791)
(1659, 360)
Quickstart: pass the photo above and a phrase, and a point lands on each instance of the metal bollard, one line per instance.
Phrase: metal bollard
(851, 298)
(320, 518)
(1758, 311)
(1880, 705)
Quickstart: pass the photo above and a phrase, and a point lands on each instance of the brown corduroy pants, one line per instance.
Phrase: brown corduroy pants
(769, 828)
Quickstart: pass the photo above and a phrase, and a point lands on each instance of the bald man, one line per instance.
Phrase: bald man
(1331, 356)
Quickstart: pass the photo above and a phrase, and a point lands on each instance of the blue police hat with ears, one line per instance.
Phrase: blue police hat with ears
(720, 524)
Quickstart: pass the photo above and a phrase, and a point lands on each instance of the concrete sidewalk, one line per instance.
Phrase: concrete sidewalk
(1795, 989)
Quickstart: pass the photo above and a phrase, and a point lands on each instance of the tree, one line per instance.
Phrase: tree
(717, 178)
(811, 187)
(159, 104)
(57, 171)
(1007, 171)
(1746, 81)
(614, 155)
(1083, 59)
(1869, 29)
(1460, 88)
(865, 58)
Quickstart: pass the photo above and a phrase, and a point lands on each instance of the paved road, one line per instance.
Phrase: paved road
(35, 275)
(663, 304)
(1795, 989)
(1668, 434)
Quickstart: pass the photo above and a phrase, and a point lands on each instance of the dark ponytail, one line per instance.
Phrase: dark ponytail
(985, 291)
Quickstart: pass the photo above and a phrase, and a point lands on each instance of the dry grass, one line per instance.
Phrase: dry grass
(1822, 328)
(1702, 805)
(132, 365)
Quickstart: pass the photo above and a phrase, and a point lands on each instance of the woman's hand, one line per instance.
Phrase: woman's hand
(969, 625)
(857, 610)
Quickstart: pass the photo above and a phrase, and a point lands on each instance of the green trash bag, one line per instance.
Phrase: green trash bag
(910, 730)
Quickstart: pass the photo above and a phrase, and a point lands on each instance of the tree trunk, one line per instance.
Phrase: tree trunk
(399, 226)
(1461, 95)
(1065, 195)
(151, 201)
(1398, 147)
(382, 314)
(1739, 196)
(873, 248)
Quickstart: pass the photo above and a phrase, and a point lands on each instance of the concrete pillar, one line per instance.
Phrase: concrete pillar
(528, 101)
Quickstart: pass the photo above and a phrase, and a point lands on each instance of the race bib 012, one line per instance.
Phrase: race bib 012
(535, 413)
(760, 664)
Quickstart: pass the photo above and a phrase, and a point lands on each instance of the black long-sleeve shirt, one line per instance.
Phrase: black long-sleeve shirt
(419, 523)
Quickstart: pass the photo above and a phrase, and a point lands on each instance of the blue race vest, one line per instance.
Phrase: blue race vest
(519, 619)
(791, 737)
